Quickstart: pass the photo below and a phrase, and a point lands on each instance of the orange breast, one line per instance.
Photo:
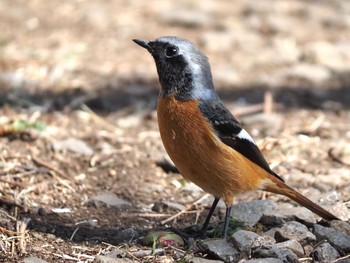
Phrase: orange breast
(199, 154)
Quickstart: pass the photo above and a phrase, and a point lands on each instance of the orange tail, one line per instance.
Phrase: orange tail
(278, 187)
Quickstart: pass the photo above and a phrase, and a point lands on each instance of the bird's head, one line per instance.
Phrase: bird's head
(183, 70)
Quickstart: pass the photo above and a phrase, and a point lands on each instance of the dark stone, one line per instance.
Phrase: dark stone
(337, 239)
(294, 230)
(251, 212)
(284, 254)
(243, 241)
(220, 249)
(325, 253)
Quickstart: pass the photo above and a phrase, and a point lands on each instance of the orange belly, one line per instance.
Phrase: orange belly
(199, 154)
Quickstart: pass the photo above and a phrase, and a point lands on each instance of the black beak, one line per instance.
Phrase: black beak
(144, 44)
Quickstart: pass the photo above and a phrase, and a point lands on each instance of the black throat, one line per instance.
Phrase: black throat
(175, 78)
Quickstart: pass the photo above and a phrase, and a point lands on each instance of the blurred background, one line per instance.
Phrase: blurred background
(63, 47)
(81, 160)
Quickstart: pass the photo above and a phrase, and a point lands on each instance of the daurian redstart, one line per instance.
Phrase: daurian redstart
(205, 141)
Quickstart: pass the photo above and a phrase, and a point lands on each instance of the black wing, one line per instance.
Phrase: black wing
(230, 132)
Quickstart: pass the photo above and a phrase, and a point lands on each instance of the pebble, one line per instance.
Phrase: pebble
(73, 145)
(220, 249)
(295, 230)
(336, 238)
(109, 259)
(34, 260)
(151, 188)
(174, 206)
(16, 80)
(192, 188)
(285, 213)
(204, 260)
(243, 241)
(106, 148)
(271, 232)
(112, 200)
(293, 245)
(325, 253)
(284, 254)
(263, 242)
(341, 210)
(130, 121)
(250, 212)
(341, 226)
(64, 210)
(308, 249)
(263, 260)
(126, 235)
(42, 211)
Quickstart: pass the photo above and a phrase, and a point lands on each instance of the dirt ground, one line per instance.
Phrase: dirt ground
(77, 114)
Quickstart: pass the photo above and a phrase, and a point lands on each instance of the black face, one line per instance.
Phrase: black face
(174, 74)
(181, 67)
(166, 53)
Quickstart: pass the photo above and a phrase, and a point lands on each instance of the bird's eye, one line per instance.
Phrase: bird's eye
(171, 51)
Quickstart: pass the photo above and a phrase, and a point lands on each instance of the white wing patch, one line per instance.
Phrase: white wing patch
(243, 134)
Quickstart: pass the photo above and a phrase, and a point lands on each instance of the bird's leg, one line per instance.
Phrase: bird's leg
(227, 221)
(211, 211)
(204, 228)
(228, 199)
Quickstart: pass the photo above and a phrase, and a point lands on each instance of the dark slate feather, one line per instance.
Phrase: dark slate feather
(227, 128)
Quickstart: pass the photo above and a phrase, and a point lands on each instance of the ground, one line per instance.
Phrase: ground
(77, 114)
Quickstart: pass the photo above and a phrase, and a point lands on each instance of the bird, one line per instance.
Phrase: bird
(208, 145)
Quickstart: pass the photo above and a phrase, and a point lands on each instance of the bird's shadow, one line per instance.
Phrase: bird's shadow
(139, 93)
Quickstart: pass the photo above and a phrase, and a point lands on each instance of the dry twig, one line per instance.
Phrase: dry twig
(342, 258)
(148, 252)
(21, 228)
(9, 232)
(11, 203)
(50, 167)
(185, 211)
(11, 183)
(335, 158)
